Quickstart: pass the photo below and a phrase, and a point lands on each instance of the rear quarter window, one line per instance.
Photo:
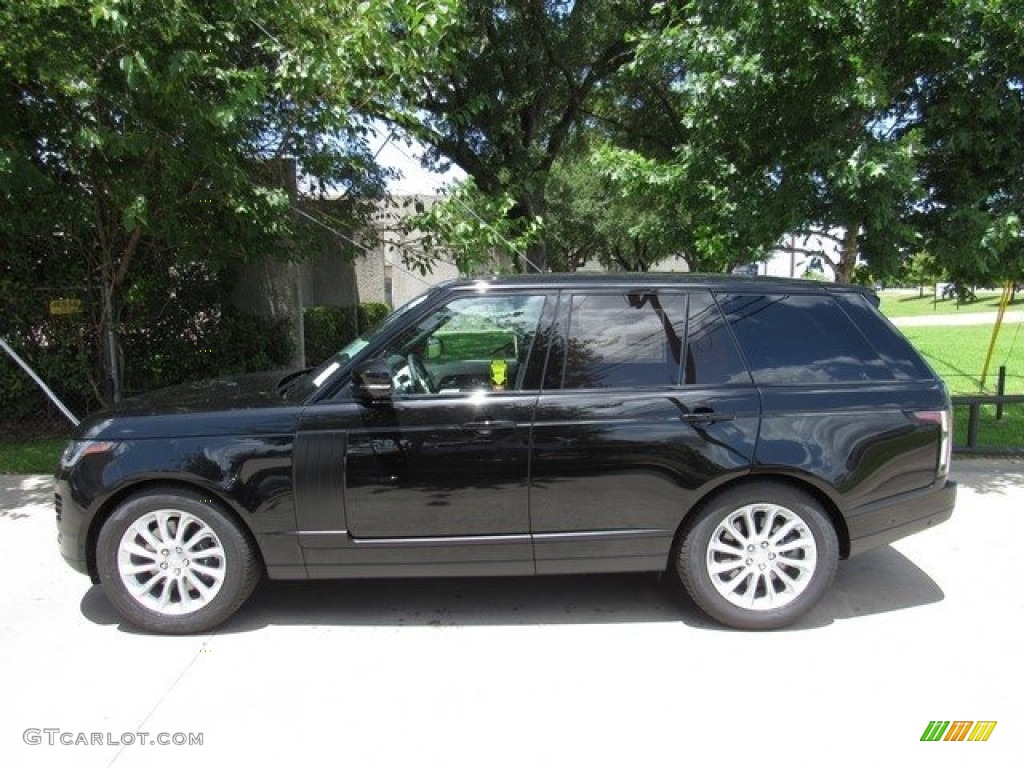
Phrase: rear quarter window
(898, 354)
(801, 339)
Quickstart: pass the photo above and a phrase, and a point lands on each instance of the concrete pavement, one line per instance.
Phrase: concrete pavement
(581, 671)
(965, 318)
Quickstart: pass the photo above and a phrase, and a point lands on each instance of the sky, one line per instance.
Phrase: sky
(404, 158)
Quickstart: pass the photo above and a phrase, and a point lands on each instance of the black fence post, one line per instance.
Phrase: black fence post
(974, 404)
(1000, 390)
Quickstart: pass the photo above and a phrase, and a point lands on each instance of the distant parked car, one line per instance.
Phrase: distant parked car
(743, 436)
(958, 291)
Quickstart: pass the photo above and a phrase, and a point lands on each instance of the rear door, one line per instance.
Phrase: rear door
(840, 389)
(645, 405)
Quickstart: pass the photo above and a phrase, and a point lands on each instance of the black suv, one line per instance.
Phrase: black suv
(742, 434)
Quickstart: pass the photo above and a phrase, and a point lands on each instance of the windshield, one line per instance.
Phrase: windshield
(301, 387)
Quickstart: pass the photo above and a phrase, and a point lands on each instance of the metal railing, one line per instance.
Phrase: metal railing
(974, 403)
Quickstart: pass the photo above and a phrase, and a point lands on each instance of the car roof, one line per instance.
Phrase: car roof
(652, 280)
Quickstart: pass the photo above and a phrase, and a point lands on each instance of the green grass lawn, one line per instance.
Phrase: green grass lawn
(957, 353)
(31, 456)
(911, 305)
(1007, 432)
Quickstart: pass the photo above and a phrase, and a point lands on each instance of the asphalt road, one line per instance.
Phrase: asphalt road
(581, 671)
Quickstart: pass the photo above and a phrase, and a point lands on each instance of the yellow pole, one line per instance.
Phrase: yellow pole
(1003, 301)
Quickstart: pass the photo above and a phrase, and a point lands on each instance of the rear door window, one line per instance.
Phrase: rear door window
(625, 340)
(645, 339)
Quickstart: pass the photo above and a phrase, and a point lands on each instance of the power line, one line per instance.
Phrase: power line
(356, 244)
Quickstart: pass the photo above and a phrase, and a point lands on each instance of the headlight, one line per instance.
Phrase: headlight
(77, 450)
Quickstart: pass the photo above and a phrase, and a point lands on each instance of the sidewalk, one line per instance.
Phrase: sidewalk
(967, 318)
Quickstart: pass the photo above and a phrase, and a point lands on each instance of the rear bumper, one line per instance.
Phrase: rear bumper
(884, 522)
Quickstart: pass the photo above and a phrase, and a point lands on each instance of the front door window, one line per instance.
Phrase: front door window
(472, 344)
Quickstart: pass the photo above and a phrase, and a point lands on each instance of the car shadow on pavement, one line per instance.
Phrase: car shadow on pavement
(877, 582)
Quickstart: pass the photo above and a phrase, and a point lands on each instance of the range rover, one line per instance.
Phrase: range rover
(742, 435)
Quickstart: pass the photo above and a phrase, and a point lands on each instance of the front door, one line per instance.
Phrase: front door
(437, 474)
(450, 466)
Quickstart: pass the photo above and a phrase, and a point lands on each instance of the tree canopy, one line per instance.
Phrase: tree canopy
(971, 116)
(714, 129)
(519, 79)
(146, 144)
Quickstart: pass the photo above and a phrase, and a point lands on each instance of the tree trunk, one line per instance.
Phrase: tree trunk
(271, 288)
(847, 254)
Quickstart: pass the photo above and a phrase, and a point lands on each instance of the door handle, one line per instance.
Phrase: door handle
(705, 415)
(489, 428)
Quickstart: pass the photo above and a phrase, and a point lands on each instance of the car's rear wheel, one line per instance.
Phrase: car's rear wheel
(173, 562)
(758, 556)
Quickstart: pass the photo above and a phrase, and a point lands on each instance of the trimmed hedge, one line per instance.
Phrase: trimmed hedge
(186, 341)
(328, 329)
(64, 352)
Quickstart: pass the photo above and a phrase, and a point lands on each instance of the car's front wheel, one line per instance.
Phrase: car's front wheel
(173, 562)
(757, 557)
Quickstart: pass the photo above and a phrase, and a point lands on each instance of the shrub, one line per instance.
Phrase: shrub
(328, 329)
(175, 326)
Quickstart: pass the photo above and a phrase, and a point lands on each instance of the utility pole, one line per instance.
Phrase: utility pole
(111, 342)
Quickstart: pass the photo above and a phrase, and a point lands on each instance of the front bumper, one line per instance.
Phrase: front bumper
(72, 528)
(883, 522)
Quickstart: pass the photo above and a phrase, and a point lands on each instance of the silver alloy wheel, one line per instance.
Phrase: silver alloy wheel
(761, 557)
(171, 562)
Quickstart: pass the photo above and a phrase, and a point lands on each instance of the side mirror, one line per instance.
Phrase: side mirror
(372, 381)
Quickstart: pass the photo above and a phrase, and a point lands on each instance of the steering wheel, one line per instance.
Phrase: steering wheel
(422, 381)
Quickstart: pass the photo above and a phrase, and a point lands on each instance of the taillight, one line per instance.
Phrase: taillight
(942, 418)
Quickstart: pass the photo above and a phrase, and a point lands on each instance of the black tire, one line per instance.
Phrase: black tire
(164, 588)
(758, 576)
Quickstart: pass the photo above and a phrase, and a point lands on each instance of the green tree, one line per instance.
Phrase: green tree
(472, 229)
(971, 111)
(922, 270)
(592, 218)
(136, 134)
(883, 127)
(783, 126)
(597, 213)
(521, 77)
